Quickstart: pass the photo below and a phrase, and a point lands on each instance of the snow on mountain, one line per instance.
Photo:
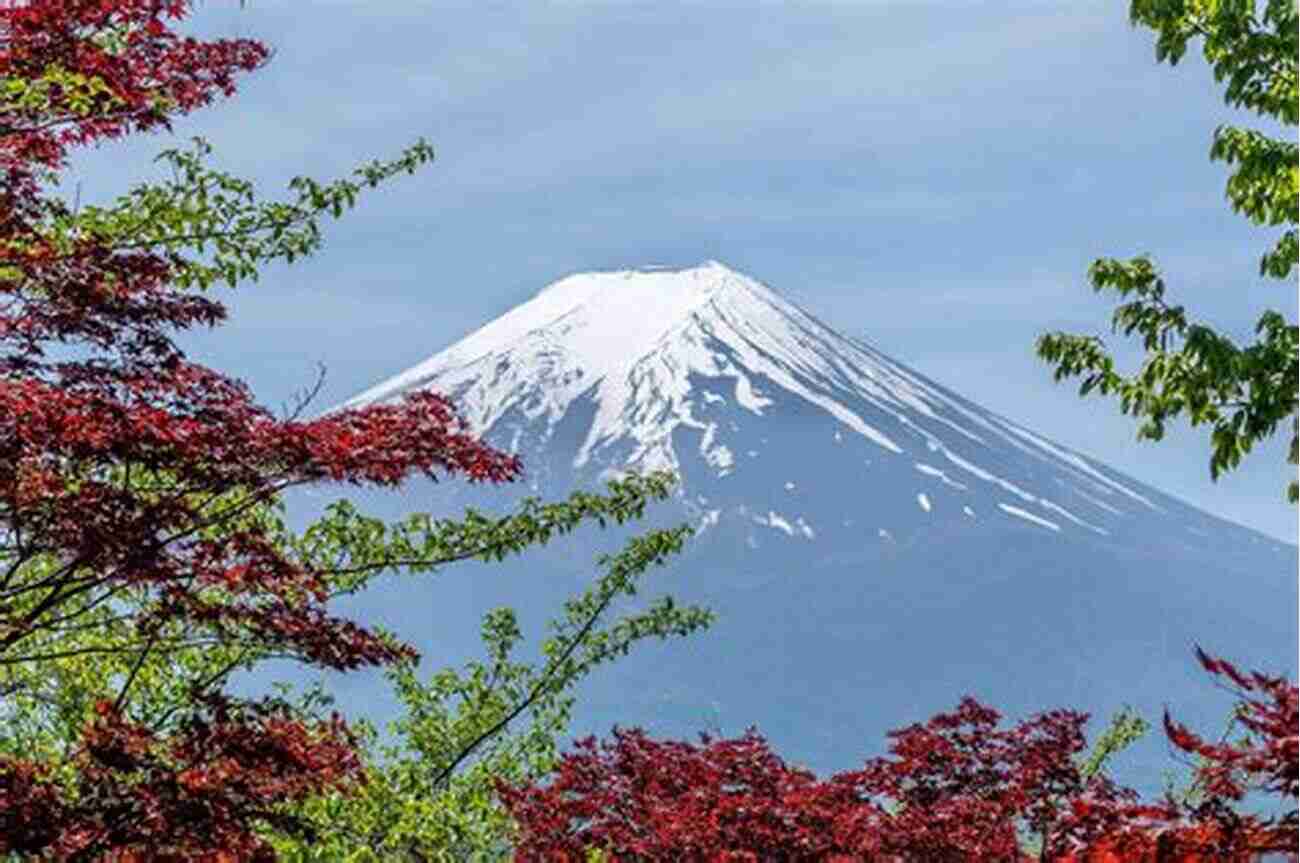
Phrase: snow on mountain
(635, 342)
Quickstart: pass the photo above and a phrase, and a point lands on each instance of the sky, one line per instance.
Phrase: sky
(931, 177)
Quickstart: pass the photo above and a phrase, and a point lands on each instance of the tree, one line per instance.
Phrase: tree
(143, 556)
(1209, 824)
(429, 795)
(956, 787)
(1242, 392)
(634, 798)
(129, 473)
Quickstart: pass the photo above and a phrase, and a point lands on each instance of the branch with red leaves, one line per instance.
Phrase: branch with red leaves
(140, 796)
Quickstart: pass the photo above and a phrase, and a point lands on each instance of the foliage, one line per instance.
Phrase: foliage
(635, 798)
(956, 788)
(431, 794)
(1126, 727)
(1192, 370)
(184, 795)
(457, 724)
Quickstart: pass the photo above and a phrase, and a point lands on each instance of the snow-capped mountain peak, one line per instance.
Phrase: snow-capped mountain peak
(600, 322)
(633, 335)
(655, 354)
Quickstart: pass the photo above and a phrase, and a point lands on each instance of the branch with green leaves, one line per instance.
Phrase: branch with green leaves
(346, 548)
(1242, 392)
(210, 225)
(1126, 728)
(431, 794)
(352, 547)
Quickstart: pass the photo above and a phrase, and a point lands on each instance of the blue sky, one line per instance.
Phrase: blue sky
(932, 177)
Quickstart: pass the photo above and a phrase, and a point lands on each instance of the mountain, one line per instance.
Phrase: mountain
(875, 544)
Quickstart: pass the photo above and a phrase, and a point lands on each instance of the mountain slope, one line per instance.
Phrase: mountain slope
(868, 537)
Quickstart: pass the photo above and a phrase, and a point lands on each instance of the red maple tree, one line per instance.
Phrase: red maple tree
(1212, 826)
(127, 470)
(958, 788)
(955, 788)
(640, 799)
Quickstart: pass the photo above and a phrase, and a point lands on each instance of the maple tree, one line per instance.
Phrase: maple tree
(143, 552)
(1209, 825)
(427, 793)
(956, 787)
(128, 470)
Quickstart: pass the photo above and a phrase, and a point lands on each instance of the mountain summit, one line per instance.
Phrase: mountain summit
(669, 363)
(629, 341)
(876, 545)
